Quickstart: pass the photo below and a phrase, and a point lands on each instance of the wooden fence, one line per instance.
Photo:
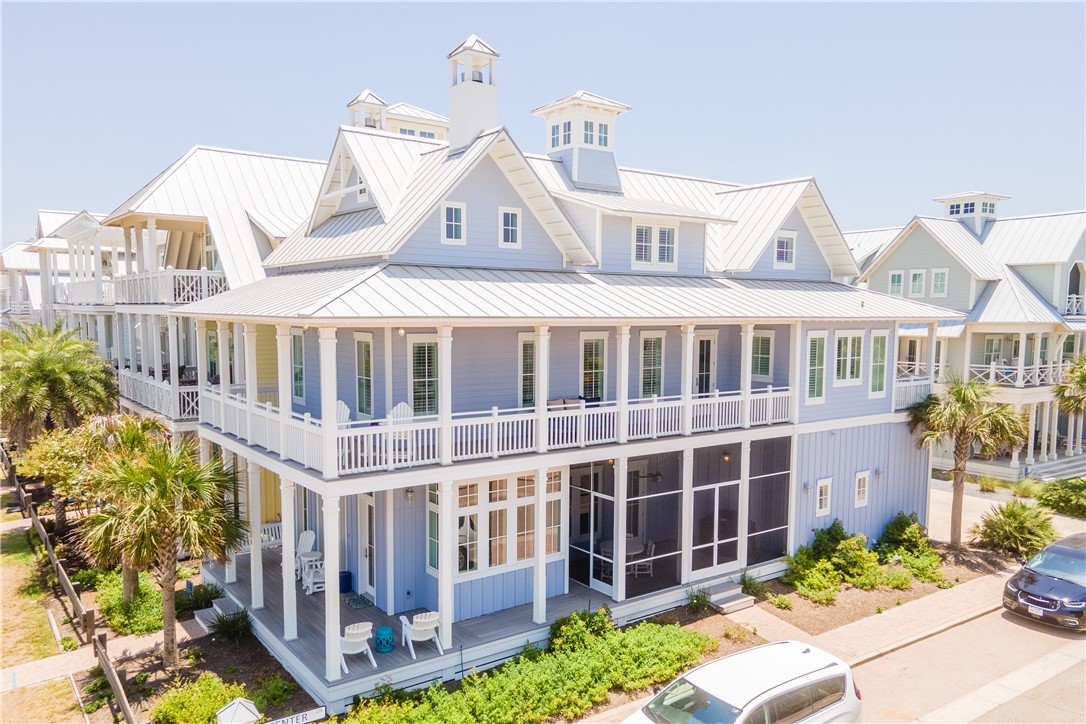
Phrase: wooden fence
(116, 677)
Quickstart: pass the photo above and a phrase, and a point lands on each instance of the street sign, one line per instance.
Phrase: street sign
(304, 717)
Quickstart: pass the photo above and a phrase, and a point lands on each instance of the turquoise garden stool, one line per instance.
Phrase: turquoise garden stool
(384, 639)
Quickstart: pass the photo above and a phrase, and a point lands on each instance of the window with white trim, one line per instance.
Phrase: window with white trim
(1042, 351)
(705, 369)
(407, 131)
(654, 247)
(993, 350)
(665, 245)
(526, 368)
(916, 282)
(862, 479)
(603, 135)
(955, 209)
(784, 256)
(508, 227)
(938, 282)
(567, 133)
(896, 282)
(297, 365)
(427, 134)
(968, 207)
(554, 136)
(642, 244)
(432, 526)
(652, 364)
(847, 362)
(589, 132)
(879, 341)
(454, 223)
(761, 356)
(363, 372)
(593, 364)
(816, 367)
(987, 207)
(424, 375)
(822, 496)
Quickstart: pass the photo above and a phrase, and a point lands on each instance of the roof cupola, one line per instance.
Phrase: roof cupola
(367, 110)
(972, 208)
(473, 94)
(580, 132)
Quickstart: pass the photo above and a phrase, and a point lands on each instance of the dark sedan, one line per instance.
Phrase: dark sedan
(1051, 587)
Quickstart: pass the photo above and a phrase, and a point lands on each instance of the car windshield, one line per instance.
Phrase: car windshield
(683, 702)
(1058, 565)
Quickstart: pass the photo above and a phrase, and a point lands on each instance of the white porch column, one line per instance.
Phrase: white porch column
(231, 568)
(622, 383)
(329, 426)
(156, 346)
(386, 352)
(1019, 375)
(256, 563)
(542, 385)
(444, 392)
(446, 564)
(290, 590)
(118, 344)
(795, 369)
(1044, 431)
(146, 350)
(1032, 424)
(250, 373)
(618, 565)
(1054, 430)
(687, 541)
(100, 331)
(967, 356)
(96, 261)
(127, 230)
(686, 378)
(173, 339)
(284, 376)
(331, 586)
(390, 551)
(746, 336)
(1070, 435)
(150, 255)
(223, 358)
(539, 588)
(933, 328)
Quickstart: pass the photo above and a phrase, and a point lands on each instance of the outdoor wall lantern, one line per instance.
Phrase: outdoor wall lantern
(409, 494)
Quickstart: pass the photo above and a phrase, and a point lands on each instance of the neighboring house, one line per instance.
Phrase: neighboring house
(1021, 283)
(504, 386)
(28, 277)
(200, 227)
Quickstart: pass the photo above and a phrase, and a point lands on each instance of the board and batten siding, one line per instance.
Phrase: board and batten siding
(918, 251)
(482, 192)
(848, 400)
(839, 454)
(810, 264)
(507, 589)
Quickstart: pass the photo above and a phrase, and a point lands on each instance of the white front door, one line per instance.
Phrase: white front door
(367, 552)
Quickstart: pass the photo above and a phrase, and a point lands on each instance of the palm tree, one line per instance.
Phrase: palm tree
(1070, 391)
(171, 502)
(966, 416)
(49, 380)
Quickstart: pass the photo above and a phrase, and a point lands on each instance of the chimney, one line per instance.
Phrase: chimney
(473, 95)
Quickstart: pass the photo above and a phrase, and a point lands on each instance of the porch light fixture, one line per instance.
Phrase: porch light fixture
(727, 457)
(807, 488)
(878, 473)
(611, 461)
(401, 331)
(409, 494)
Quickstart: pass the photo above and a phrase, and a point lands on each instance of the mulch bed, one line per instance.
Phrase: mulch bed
(854, 604)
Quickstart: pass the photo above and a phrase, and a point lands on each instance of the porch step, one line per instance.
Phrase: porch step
(734, 602)
(1073, 467)
(224, 606)
(204, 617)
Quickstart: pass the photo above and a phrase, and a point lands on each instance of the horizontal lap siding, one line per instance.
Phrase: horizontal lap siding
(617, 245)
(920, 251)
(810, 264)
(840, 454)
(850, 400)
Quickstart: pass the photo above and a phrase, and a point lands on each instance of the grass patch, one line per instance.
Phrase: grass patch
(7, 500)
(50, 703)
(26, 634)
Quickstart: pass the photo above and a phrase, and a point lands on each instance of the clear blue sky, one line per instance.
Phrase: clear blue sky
(887, 105)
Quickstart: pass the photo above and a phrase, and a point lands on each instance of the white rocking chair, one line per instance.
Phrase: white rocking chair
(645, 566)
(313, 577)
(423, 627)
(356, 640)
(306, 541)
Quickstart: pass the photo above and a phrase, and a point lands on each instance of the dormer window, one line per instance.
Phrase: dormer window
(589, 132)
(987, 207)
(968, 207)
(554, 136)
(603, 133)
(955, 209)
(567, 133)
(654, 247)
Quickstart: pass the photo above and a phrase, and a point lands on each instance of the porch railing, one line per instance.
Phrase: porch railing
(184, 404)
(914, 369)
(168, 286)
(910, 391)
(85, 292)
(997, 373)
(1076, 304)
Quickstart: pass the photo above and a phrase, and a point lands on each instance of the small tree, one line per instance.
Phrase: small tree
(1070, 391)
(964, 416)
(171, 502)
(61, 460)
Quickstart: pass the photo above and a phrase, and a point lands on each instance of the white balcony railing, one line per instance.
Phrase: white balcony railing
(910, 391)
(911, 369)
(20, 307)
(160, 396)
(85, 292)
(370, 445)
(1076, 304)
(168, 286)
(997, 373)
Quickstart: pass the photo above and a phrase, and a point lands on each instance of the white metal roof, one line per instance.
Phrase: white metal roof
(946, 328)
(866, 243)
(368, 96)
(436, 173)
(16, 257)
(954, 236)
(386, 293)
(386, 161)
(1040, 239)
(475, 44)
(627, 206)
(582, 97)
(969, 194)
(50, 220)
(406, 110)
(1013, 300)
(222, 186)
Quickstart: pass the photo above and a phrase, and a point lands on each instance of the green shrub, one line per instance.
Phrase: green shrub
(897, 578)
(903, 532)
(751, 586)
(87, 578)
(232, 626)
(782, 602)
(826, 539)
(1016, 528)
(697, 599)
(195, 702)
(924, 565)
(143, 614)
(1067, 497)
(815, 580)
(272, 690)
(987, 483)
(201, 598)
(1026, 488)
(580, 629)
(68, 643)
(855, 563)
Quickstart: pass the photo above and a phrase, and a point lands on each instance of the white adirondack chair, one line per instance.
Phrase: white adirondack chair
(306, 541)
(343, 412)
(403, 443)
(356, 640)
(423, 627)
(313, 577)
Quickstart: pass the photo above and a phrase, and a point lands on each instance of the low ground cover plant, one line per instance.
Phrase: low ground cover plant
(143, 614)
(1066, 497)
(1015, 527)
(195, 702)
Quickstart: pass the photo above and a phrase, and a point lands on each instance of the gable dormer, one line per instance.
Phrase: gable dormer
(580, 132)
(972, 208)
(367, 110)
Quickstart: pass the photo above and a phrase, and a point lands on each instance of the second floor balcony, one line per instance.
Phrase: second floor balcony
(168, 286)
(178, 403)
(1010, 374)
(1076, 305)
(94, 291)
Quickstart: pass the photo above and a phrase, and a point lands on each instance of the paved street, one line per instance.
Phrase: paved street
(997, 668)
(973, 508)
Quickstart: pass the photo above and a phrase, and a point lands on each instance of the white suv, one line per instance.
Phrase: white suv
(787, 681)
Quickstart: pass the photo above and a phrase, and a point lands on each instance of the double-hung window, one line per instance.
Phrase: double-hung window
(363, 365)
(593, 364)
(642, 244)
(567, 133)
(526, 368)
(862, 480)
(761, 357)
(938, 282)
(896, 282)
(424, 382)
(454, 224)
(652, 364)
(555, 136)
(654, 247)
(879, 341)
(784, 256)
(297, 366)
(993, 350)
(589, 132)
(816, 368)
(916, 282)
(822, 497)
(603, 136)
(508, 227)
(847, 362)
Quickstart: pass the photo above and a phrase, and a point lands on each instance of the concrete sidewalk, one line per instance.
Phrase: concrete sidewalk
(83, 658)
